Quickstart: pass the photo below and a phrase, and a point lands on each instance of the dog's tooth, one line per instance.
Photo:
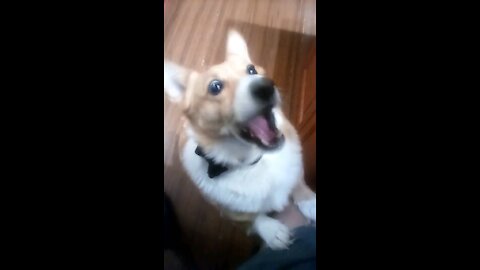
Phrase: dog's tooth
(264, 142)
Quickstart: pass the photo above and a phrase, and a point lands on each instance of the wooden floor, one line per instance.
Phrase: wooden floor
(278, 33)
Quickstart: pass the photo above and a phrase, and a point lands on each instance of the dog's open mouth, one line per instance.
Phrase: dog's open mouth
(262, 131)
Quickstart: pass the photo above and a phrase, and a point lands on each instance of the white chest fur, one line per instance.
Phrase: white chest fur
(263, 187)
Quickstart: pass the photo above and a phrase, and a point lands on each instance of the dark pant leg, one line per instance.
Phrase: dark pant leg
(172, 237)
(301, 255)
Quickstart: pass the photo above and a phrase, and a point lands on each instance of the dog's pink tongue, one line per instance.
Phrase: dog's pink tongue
(259, 127)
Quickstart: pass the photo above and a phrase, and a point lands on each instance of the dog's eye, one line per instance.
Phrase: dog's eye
(251, 70)
(215, 87)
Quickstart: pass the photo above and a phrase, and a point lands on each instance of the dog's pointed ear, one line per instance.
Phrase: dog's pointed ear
(175, 79)
(236, 45)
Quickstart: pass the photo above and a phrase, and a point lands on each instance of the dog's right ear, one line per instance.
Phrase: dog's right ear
(175, 79)
(236, 45)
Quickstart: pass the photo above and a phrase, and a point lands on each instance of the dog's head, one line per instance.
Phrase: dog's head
(234, 98)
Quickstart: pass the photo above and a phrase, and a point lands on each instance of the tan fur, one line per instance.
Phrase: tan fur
(207, 114)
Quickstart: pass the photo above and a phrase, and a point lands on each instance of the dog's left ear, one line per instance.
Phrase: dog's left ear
(175, 79)
(237, 46)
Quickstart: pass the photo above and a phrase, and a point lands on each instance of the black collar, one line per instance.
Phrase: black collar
(215, 169)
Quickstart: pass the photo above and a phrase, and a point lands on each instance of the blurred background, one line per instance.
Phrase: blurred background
(281, 37)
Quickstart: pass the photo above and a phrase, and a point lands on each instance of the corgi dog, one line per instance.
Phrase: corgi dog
(237, 146)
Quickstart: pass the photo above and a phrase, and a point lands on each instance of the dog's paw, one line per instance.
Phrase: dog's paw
(309, 208)
(275, 234)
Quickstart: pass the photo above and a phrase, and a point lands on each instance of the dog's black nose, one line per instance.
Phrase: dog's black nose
(263, 89)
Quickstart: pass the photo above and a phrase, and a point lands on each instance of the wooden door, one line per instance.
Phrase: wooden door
(305, 108)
